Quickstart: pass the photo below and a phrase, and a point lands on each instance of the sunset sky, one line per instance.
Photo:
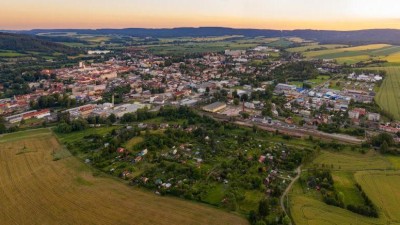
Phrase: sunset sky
(273, 14)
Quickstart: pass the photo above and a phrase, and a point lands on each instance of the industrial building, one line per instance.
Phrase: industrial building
(215, 107)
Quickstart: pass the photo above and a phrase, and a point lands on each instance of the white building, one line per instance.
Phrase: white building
(374, 117)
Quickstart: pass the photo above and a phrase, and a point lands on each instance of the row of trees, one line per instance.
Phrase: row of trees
(368, 209)
(75, 125)
(260, 216)
(67, 125)
(54, 100)
(323, 180)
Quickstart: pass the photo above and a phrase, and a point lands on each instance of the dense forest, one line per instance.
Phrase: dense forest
(26, 43)
(295, 71)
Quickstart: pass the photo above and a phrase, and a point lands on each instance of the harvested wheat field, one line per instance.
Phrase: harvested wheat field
(40, 183)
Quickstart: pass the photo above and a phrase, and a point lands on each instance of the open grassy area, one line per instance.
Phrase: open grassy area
(281, 43)
(353, 59)
(78, 135)
(313, 82)
(388, 97)
(349, 161)
(395, 160)
(35, 189)
(134, 141)
(10, 54)
(344, 183)
(314, 46)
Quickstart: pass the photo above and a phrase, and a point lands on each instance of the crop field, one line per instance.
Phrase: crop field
(393, 58)
(198, 47)
(314, 46)
(349, 161)
(8, 54)
(378, 176)
(354, 59)
(281, 43)
(382, 189)
(212, 44)
(388, 97)
(356, 54)
(342, 52)
(296, 39)
(200, 39)
(37, 189)
(310, 211)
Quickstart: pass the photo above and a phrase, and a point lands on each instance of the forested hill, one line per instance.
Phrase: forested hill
(388, 36)
(26, 43)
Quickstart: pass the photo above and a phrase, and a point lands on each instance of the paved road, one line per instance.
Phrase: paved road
(289, 187)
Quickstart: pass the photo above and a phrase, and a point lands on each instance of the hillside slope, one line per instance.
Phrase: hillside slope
(371, 36)
(36, 188)
(25, 43)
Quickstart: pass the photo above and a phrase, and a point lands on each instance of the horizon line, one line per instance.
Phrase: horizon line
(196, 27)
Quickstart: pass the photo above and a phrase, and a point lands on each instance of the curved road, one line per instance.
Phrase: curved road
(289, 187)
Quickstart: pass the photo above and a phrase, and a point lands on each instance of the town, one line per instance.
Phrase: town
(199, 112)
(226, 85)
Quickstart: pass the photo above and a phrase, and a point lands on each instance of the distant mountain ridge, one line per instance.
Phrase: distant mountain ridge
(386, 36)
(25, 43)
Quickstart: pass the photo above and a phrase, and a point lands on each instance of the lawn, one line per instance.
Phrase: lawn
(36, 189)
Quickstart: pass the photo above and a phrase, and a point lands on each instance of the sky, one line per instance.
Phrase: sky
(264, 14)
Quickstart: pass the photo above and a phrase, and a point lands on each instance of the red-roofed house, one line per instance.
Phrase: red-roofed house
(361, 111)
(38, 114)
